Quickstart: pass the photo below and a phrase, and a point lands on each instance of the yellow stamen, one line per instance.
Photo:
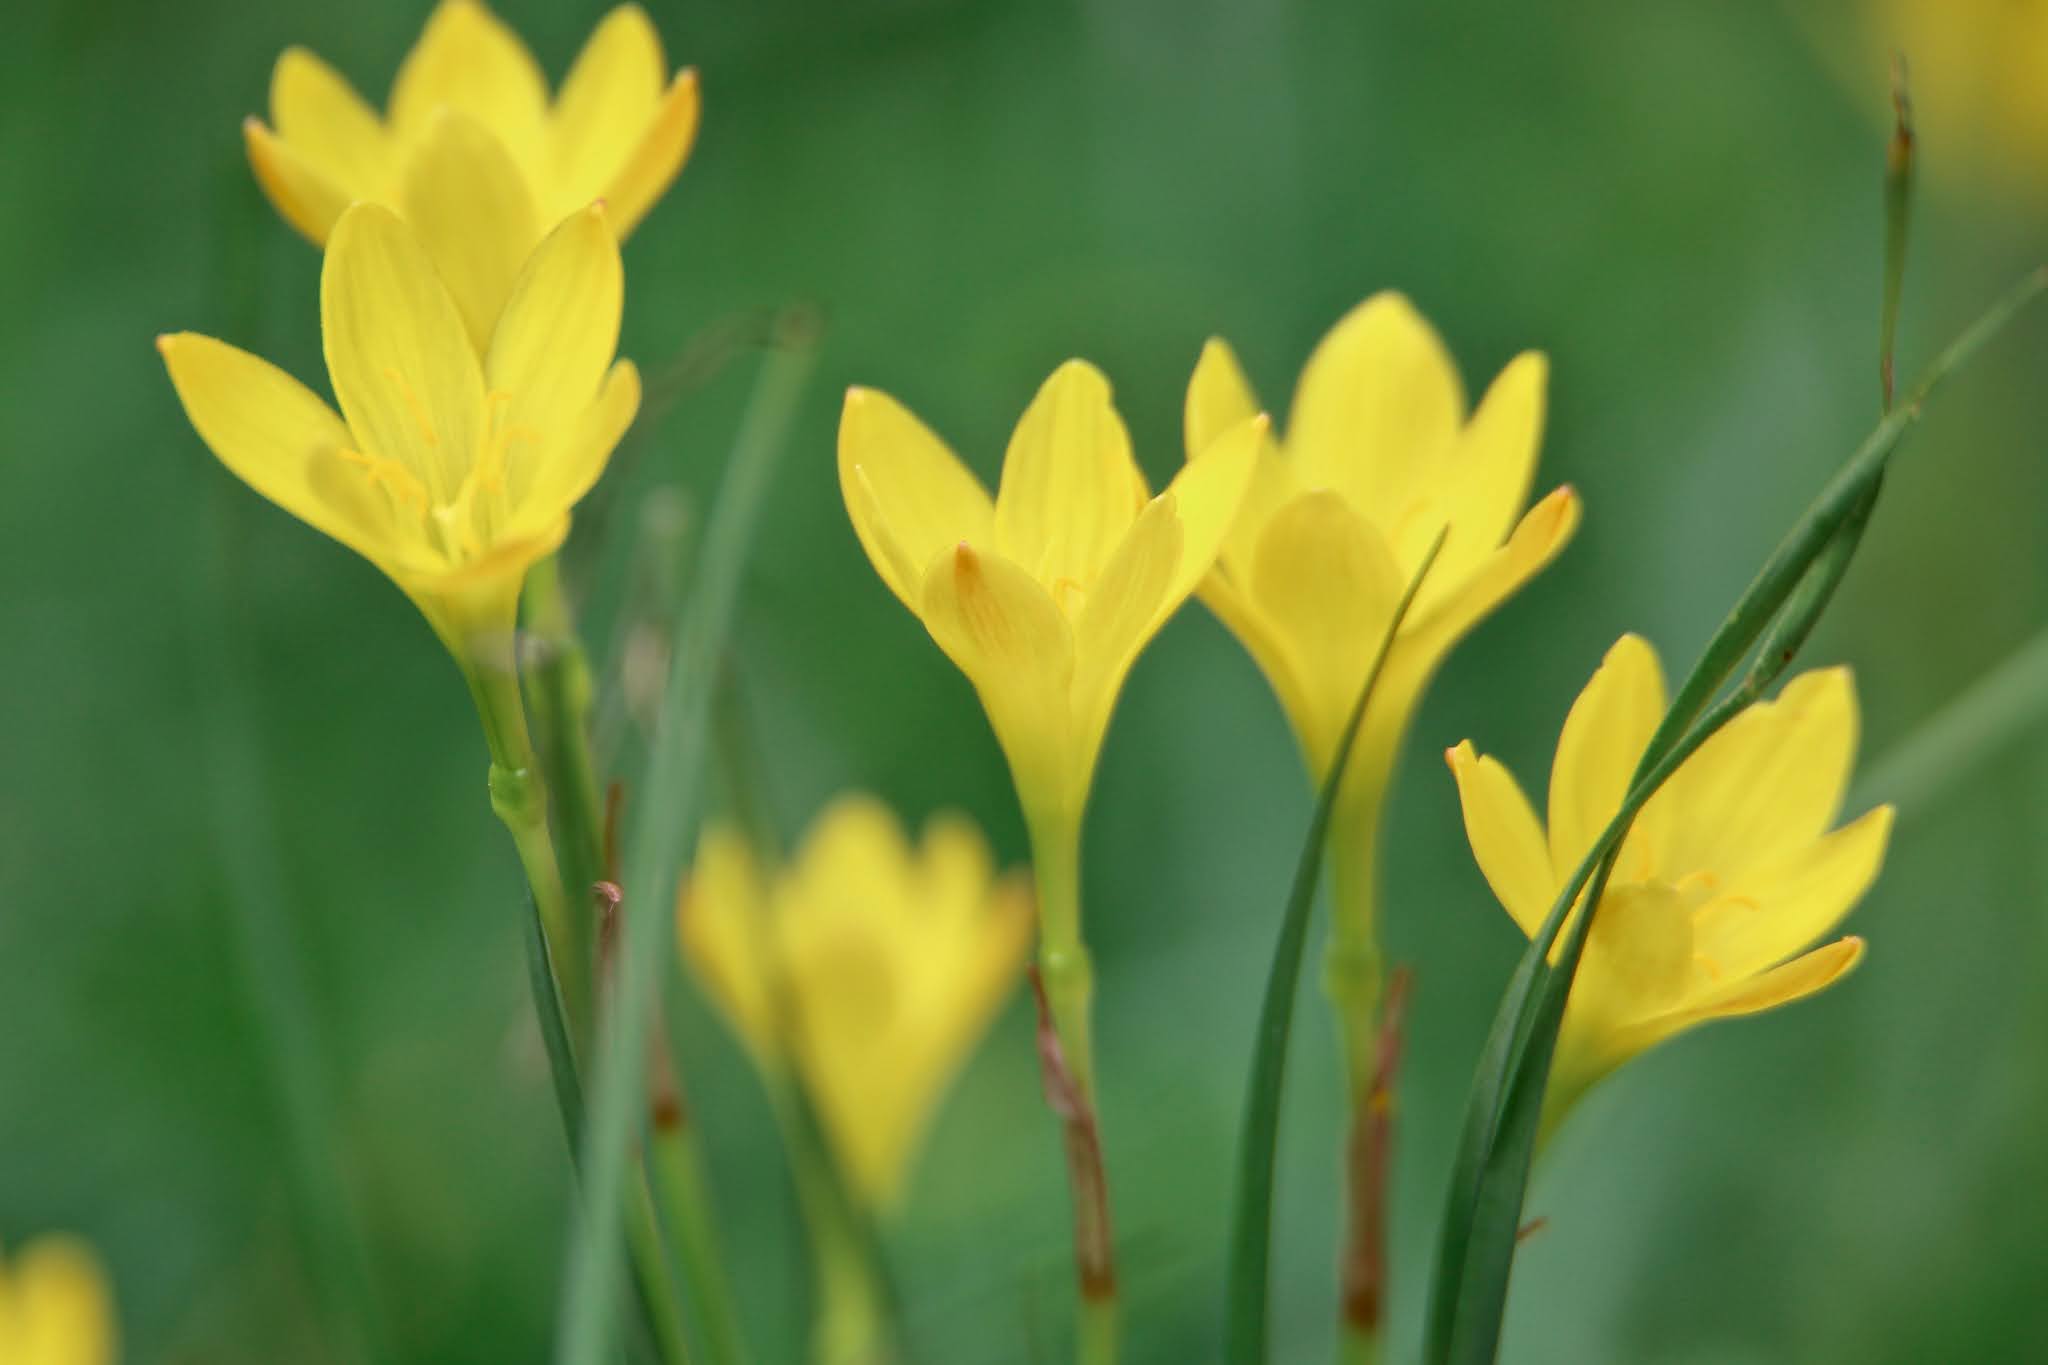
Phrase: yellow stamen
(394, 478)
(412, 400)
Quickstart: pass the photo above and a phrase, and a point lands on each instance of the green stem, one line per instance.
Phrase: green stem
(1067, 981)
(1354, 969)
(558, 679)
(850, 1317)
(678, 1170)
(519, 796)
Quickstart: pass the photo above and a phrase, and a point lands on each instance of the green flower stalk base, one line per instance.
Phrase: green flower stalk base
(1064, 982)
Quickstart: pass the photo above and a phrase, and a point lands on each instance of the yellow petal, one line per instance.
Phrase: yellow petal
(468, 59)
(1492, 464)
(1781, 907)
(1070, 488)
(327, 123)
(1795, 980)
(908, 495)
(543, 489)
(654, 164)
(1210, 493)
(55, 1307)
(471, 209)
(1507, 843)
(1015, 646)
(1220, 400)
(1603, 739)
(1639, 956)
(1450, 606)
(1379, 402)
(1219, 397)
(1124, 610)
(1326, 585)
(1768, 783)
(404, 372)
(559, 329)
(723, 926)
(278, 437)
(605, 104)
(302, 193)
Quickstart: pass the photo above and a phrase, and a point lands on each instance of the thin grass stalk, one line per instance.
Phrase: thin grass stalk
(667, 822)
(1244, 1339)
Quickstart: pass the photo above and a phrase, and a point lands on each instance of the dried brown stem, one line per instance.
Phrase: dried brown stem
(1363, 1271)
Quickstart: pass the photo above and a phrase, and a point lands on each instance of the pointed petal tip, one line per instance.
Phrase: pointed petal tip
(686, 78)
(1460, 754)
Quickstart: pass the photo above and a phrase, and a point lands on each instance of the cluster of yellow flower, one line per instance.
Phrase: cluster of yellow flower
(471, 296)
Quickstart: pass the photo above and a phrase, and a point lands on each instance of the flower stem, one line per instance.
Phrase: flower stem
(1065, 980)
(678, 1171)
(519, 797)
(1354, 978)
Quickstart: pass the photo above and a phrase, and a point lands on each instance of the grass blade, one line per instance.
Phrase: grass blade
(1251, 1239)
(668, 814)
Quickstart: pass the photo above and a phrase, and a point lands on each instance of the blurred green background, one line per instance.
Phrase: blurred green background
(235, 761)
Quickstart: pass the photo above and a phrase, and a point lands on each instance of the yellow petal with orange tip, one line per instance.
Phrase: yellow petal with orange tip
(654, 163)
(469, 60)
(1506, 841)
(908, 495)
(404, 371)
(1325, 582)
(1805, 975)
(1070, 487)
(326, 122)
(558, 330)
(471, 208)
(1006, 634)
(278, 437)
(305, 194)
(55, 1306)
(1377, 409)
(1603, 740)
(1433, 628)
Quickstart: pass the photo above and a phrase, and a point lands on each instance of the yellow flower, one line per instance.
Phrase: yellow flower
(1044, 595)
(449, 471)
(471, 152)
(55, 1308)
(1978, 74)
(1379, 456)
(1725, 880)
(875, 965)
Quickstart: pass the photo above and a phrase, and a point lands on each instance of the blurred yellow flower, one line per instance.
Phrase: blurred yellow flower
(471, 151)
(1725, 880)
(451, 472)
(1978, 75)
(1044, 595)
(1379, 456)
(55, 1308)
(875, 966)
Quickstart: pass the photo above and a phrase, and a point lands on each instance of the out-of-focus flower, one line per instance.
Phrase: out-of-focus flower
(1725, 881)
(55, 1307)
(451, 472)
(871, 966)
(1044, 595)
(471, 150)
